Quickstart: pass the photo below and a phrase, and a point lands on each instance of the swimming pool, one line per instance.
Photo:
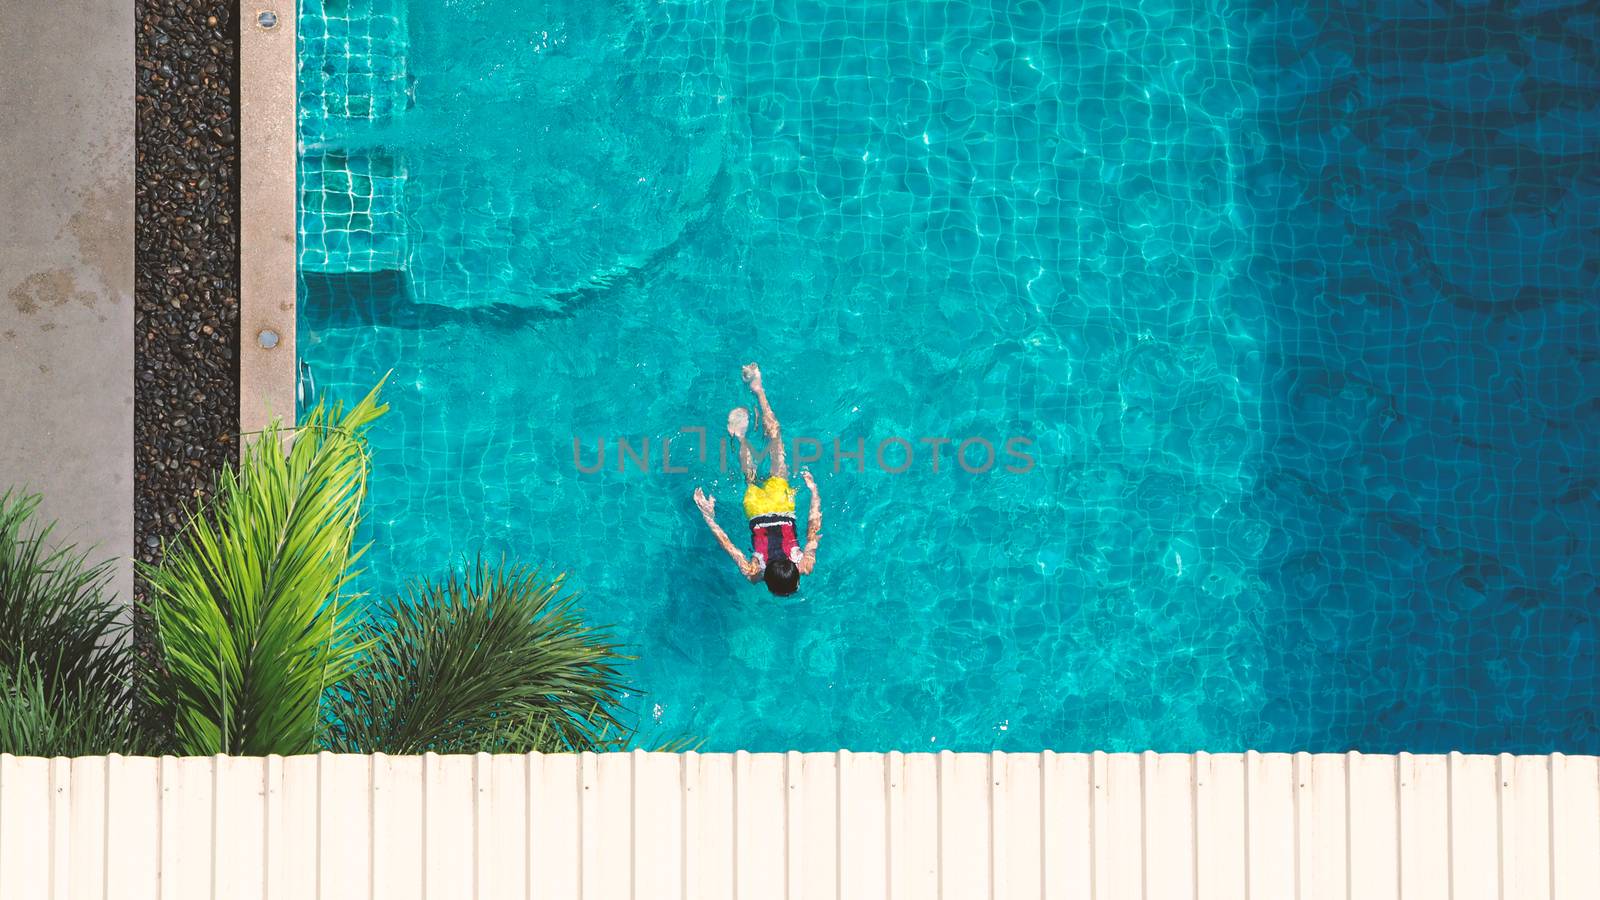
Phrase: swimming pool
(1294, 309)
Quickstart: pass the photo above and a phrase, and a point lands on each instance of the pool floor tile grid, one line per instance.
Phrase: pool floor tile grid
(1085, 193)
(1429, 191)
(585, 153)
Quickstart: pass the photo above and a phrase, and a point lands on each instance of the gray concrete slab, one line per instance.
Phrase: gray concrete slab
(66, 266)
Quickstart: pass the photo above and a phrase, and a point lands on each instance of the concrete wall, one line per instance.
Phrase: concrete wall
(66, 266)
(267, 232)
(896, 826)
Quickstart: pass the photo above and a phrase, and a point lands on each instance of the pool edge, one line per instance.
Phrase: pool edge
(267, 242)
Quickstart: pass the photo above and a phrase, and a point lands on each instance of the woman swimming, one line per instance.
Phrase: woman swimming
(776, 555)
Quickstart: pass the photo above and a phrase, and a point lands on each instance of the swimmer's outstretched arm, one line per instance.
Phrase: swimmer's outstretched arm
(813, 526)
(748, 567)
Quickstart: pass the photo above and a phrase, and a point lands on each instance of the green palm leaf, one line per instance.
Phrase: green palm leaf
(496, 660)
(65, 664)
(251, 616)
(41, 719)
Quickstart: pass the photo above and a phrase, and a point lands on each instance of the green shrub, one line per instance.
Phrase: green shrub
(66, 676)
(494, 660)
(37, 719)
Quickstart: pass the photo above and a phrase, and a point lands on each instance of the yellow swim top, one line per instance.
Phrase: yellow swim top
(770, 497)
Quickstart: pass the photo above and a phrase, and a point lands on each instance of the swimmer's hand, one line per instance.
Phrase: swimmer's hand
(708, 505)
(808, 556)
(708, 508)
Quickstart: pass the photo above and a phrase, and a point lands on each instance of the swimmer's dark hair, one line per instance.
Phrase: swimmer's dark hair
(782, 576)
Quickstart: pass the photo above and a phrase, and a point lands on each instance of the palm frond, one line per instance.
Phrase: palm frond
(38, 719)
(56, 616)
(252, 619)
(495, 660)
(65, 663)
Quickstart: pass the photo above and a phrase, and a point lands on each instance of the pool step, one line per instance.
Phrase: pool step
(351, 213)
(351, 218)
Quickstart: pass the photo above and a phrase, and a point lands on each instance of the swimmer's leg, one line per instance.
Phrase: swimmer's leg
(738, 426)
(769, 423)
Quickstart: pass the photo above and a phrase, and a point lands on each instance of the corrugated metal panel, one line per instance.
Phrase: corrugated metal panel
(803, 825)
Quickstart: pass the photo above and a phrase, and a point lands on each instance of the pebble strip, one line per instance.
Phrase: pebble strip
(186, 312)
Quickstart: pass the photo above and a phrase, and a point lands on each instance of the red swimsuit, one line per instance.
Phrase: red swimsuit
(770, 533)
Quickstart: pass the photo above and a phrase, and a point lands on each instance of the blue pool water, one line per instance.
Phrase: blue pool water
(1296, 306)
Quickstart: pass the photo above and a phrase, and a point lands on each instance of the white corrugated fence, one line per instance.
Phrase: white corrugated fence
(952, 826)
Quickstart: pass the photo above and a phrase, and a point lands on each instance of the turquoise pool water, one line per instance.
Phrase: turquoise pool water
(1295, 308)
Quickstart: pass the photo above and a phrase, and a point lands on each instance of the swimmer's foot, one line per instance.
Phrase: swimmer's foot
(738, 422)
(752, 376)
